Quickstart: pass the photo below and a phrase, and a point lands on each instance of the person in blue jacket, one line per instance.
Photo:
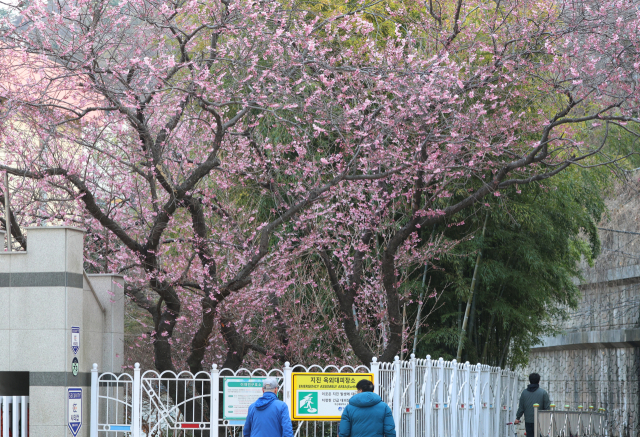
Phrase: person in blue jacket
(366, 415)
(268, 416)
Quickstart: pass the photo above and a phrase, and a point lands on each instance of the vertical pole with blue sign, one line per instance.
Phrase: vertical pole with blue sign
(74, 409)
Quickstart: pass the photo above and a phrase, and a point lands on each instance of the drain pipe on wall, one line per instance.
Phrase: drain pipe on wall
(7, 210)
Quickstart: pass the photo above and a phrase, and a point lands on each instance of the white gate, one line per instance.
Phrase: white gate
(177, 402)
(14, 416)
(112, 403)
(430, 398)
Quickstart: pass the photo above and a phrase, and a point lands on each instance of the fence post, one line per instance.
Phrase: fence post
(14, 415)
(440, 397)
(486, 400)
(24, 418)
(214, 395)
(454, 404)
(514, 395)
(507, 400)
(466, 395)
(580, 426)
(497, 400)
(95, 391)
(4, 402)
(397, 392)
(412, 397)
(477, 400)
(136, 394)
(375, 369)
(535, 419)
(427, 405)
(286, 396)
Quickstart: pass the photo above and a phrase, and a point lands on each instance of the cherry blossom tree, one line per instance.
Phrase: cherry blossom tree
(218, 152)
(500, 97)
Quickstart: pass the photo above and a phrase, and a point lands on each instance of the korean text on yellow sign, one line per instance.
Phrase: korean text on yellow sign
(323, 396)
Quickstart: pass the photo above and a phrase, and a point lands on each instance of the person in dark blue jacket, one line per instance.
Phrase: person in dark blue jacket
(366, 415)
(268, 416)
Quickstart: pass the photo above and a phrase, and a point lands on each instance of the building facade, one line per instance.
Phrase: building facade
(55, 322)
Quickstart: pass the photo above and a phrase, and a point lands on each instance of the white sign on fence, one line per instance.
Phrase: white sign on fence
(74, 409)
(238, 394)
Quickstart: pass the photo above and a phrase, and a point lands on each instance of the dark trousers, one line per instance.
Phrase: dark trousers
(529, 428)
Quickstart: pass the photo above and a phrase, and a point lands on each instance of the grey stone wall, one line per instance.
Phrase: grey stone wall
(603, 377)
(596, 359)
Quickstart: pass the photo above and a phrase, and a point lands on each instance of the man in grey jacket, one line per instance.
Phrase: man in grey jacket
(533, 394)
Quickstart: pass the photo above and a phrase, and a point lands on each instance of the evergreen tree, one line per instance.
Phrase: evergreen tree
(529, 271)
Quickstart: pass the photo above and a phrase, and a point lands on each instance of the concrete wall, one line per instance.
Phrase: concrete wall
(596, 359)
(602, 377)
(109, 291)
(43, 293)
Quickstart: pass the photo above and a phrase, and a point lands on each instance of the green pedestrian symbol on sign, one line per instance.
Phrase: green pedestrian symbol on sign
(308, 402)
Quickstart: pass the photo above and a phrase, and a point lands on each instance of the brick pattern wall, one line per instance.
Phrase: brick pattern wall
(605, 378)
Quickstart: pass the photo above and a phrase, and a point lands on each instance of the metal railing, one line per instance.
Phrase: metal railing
(428, 398)
(14, 416)
(581, 422)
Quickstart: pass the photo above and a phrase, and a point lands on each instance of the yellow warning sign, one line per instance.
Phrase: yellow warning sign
(323, 396)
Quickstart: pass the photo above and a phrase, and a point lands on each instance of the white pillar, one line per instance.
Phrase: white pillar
(412, 397)
(440, 397)
(427, 405)
(496, 403)
(486, 401)
(513, 407)
(5, 416)
(95, 390)
(136, 394)
(397, 392)
(375, 369)
(507, 399)
(286, 386)
(455, 403)
(214, 400)
(477, 401)
(15, 424)
(24, 416)
(466, 399)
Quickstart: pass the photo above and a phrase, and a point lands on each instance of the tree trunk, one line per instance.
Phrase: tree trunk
(493, 317)
(506, 347)
(486, 343)
(472, 318)
(473, 288)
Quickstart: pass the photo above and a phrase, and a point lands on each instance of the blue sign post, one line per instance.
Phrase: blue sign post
(74, 412)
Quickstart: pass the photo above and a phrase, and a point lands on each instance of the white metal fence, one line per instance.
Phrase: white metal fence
(437, 398)
(430, 398)
(583, 423)
(14, 416)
